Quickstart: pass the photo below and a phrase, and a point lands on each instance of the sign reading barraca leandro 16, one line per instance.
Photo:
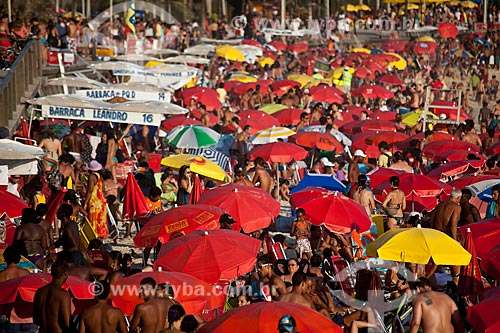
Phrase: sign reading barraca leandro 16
(103, 94)
(77, 113)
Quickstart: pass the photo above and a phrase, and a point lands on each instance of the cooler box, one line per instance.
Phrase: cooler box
(68, 58)
(104, 52)
(378, 219)
(154, 162)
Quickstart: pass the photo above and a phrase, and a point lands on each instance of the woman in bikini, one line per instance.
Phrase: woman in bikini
(293, 266)
(394, 204)
(52, 146)
(111, 160)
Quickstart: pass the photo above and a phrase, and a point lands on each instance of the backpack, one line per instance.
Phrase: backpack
(389, 159)
(55, 179)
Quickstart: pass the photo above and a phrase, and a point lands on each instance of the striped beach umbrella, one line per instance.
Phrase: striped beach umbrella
(192, 136)
(463, 54)
(271, 135)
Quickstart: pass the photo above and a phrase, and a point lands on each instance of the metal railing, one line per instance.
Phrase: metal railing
(27, 67)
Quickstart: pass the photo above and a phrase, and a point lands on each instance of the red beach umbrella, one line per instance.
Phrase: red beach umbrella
(380, 175)
(337, 213)
(207, 96)
(252, 208)
(394, 45)
(456, 168)
(11, 205)
(259, 123)
(281, 152)
(424, 47)
(372, 91)
(466, 180)
(393, 80)
(134, 203)
(278, 45)
(281, 87)
(327, 94)
(298, 47)
(470, 281)
(373, 125)
(456, 155)
(323, 141)
(484, 316)
(251, 42)
(491, 264)
(447, 30)
(486, 235)
(288, 116)
(182, 219)
(438, 147)
(210, 255)
(183, 285)
(178, 120)
(451, 112)
(264, 317)
(493, 149)
(310, 192)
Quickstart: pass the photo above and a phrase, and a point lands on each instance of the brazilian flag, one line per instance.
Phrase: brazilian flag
(130, 18)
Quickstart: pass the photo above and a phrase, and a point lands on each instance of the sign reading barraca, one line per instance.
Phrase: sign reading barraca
(77, 113)
(103, 94)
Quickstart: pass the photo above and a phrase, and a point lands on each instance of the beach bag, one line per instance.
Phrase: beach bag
(119, 156)
(55, 179)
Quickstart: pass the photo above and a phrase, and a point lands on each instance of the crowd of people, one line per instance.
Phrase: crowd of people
(84, 174)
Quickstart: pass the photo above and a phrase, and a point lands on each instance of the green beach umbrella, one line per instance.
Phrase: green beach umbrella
(272, 108)
(192, 136)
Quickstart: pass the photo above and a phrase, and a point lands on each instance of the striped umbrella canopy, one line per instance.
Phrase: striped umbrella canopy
(192, 136)
(271, 135)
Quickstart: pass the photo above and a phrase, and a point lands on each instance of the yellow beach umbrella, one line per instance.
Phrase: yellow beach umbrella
(361, 50)
(364, 8)
(263, 61)
(413, 6)
(243, 78)
(350, 8)
(400, 64)
(426, 39)
(198, 164)
(230, 53)
(412, 118)
(418, 246)
(467, 4)
(153, 63)
(300, 78)
(315, 83)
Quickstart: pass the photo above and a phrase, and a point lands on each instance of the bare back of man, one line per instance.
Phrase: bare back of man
(102, 318)
(293, 297)
(12, 272)
(365, 199)
(52, 309)
(436, 313)
(472, 138)
(151, 316)
(443, 216)
(264, 179)
(74, 142)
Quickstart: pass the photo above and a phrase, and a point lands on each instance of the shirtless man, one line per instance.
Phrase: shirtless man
(12, 257)
(102, 317)
(400, 163)
(435, 311)
(304, 121)
(73, 140)
(363, 196)
(470, 135)
(394, 204)
(52, 304)
(353, 169)
(239, 177)
(245, 99)
(150, 316)
(33, 237)
(70, 238)
(204, 118)
(88, 273)
(299, 288)
(52, 146)
(445, 219)
(469, 213)
(261, 176)
(269, 278)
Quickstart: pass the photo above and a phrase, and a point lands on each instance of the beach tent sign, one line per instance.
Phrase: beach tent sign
(105, 94)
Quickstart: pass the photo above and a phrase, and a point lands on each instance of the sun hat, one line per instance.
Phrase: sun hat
(326, 161)
(94, 166)
(287, 323)
(359, 153)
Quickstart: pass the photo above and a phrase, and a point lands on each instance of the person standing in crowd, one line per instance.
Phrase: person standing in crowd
(52, 146)
(150, 316)
(32, 238)
(95, 202)
(12, 256)
(301, 229)
(394, 204)
(185, 185)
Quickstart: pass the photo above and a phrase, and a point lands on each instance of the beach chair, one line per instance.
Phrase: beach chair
(87, 233)
(275, 249)
(342, 271)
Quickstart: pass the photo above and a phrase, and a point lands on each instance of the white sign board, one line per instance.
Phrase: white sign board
(4, 175)
(139, 118)
(104, 94)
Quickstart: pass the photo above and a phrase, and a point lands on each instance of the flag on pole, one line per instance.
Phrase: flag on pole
(130, 18)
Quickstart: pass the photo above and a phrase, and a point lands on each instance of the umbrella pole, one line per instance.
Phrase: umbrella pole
(312, 156)
(278, 179)
(412, 201)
